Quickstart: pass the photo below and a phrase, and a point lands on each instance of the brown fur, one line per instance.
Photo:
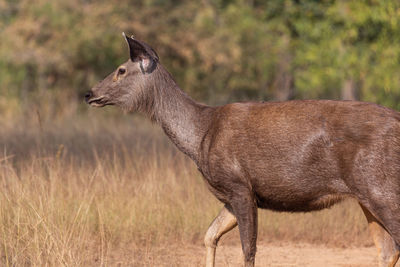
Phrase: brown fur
(285, 156)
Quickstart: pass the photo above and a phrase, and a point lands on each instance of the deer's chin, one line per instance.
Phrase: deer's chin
(98, 105)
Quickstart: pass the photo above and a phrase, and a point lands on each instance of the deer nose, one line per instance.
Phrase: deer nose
(88, 95)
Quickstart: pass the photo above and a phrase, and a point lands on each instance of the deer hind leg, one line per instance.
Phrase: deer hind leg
(223, 223)
(388, 251)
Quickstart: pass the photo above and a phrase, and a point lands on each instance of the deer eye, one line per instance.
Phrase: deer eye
(121, 71)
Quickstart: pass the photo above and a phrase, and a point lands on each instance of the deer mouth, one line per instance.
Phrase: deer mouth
(100, 101)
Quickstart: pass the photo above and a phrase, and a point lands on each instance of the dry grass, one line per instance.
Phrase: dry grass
(90, 191)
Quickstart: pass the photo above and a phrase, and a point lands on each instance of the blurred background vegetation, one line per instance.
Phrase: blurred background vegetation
(219, 51)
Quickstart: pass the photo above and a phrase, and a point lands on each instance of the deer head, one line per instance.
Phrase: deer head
(128, 86)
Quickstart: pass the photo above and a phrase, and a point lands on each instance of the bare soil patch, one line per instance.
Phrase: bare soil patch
(267, 255)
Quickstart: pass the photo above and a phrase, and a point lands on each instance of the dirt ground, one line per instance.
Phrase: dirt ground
(300, 255)
(267, 255)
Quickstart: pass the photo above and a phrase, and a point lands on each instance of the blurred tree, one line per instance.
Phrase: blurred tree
(218, 50)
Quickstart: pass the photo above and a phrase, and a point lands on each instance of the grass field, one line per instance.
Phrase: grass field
(99, 190)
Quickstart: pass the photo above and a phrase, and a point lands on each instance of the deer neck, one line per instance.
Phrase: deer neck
(183, 120)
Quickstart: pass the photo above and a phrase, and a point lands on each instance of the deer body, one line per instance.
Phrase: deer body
(301, 155)
(287, 156)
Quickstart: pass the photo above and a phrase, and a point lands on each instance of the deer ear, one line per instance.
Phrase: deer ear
(142, 53)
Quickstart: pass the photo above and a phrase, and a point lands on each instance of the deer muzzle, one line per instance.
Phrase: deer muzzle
(99, 101)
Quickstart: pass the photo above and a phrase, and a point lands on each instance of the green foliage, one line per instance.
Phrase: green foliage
(218, 50)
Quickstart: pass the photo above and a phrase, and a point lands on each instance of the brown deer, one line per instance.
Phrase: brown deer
(291, 156)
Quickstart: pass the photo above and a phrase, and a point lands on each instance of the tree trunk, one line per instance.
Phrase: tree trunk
(349, 90)
(283, 86)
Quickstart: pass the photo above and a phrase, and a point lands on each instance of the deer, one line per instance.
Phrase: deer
(291, 156)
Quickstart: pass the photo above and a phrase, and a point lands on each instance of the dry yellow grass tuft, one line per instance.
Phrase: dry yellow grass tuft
(90, 191)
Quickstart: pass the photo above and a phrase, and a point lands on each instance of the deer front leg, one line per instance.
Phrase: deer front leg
(223, 223)
(245, 209)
